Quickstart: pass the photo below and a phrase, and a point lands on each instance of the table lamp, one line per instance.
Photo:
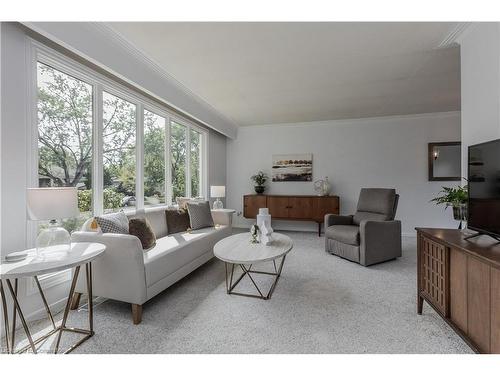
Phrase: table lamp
(52, 204)
(218, 192)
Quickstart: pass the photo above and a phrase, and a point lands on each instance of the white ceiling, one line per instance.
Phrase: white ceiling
(264, 73)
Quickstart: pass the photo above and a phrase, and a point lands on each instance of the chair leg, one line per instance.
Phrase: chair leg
(136, 313)
(75, 301)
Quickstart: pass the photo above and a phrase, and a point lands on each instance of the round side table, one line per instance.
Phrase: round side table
(53, 260)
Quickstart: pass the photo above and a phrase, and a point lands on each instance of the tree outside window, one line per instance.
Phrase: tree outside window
(178, 159)
(65, 147)
(154, 159)
(65, 137)
(119, 135)
(195, 160)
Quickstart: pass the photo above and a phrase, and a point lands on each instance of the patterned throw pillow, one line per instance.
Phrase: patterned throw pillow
(141, 228)
(177, 221)
(200, 215)
(113, 223)
(182, 201)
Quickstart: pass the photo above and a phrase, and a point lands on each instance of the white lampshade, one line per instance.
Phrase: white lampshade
(52, 203)
(217, 191)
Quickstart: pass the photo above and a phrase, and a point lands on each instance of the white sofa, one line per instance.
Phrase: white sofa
(130, 274)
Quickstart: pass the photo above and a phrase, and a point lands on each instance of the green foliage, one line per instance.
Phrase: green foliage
(260, 178)
(65, 117)
(64, 127)
(112, 198)
(195, 154)
(154, 155)
(85, 200)
(178, 159)
(452, 196)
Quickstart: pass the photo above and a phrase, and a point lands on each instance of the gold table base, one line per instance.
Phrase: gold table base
(16, 310)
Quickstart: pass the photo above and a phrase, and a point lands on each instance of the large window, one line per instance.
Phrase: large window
(120, 149)
(154, 159)
(119, 155)
(65, 136)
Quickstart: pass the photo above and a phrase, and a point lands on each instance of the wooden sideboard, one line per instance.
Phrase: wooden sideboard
(292, 207)
(460, 279)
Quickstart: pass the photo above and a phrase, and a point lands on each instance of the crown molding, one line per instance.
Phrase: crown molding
(146, 59)
(455, 35)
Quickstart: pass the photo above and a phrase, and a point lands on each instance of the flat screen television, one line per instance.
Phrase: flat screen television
(484, 188)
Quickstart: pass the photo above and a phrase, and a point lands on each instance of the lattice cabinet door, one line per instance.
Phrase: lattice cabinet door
(434, 274)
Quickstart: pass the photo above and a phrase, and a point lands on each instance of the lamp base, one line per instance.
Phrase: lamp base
(218, 204)
(53, 239)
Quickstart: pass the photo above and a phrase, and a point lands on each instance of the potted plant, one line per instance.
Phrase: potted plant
(456, 197)
(260, 179)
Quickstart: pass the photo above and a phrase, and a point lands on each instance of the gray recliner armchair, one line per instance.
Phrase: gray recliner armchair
(369, 236)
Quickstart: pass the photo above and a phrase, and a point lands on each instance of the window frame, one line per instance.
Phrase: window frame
(39, 52)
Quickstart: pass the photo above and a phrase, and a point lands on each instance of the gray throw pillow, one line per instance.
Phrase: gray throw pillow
(200, 215)
(113, 223)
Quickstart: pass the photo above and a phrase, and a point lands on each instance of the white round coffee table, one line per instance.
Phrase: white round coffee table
(53, 260)
(237, 250)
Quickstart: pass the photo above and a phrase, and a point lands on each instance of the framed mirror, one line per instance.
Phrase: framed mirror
(445, 161)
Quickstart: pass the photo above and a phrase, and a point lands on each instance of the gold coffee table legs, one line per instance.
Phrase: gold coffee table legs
(247, 271)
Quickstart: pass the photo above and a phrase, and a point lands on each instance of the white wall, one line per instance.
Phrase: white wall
(480, 81)
(378, 152)
(14, 156)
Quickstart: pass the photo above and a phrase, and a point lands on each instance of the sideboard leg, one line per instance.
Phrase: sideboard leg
(319, 229)
(420, 304)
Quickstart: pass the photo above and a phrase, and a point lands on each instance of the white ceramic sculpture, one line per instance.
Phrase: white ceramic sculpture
(264, 224)
(266, 234)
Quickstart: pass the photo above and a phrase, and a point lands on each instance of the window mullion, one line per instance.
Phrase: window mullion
(97, 160)
(188, 162)
(168, 163)
(139, 159)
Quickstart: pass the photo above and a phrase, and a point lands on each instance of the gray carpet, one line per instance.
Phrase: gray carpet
(322, 304)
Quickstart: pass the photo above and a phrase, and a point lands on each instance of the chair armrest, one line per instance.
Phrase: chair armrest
(380, 241)
(119, 273)
(223, 217)
(332, 219)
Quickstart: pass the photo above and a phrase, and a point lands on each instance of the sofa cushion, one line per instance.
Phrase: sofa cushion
(348, 234)
(177, 221)
(141, 228)
(177, 250)
(116, 222)
(200, 215)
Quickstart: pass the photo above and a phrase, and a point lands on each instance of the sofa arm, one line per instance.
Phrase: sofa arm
(332, 219)
(223, 217)
(380, 241)
(119, 273)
